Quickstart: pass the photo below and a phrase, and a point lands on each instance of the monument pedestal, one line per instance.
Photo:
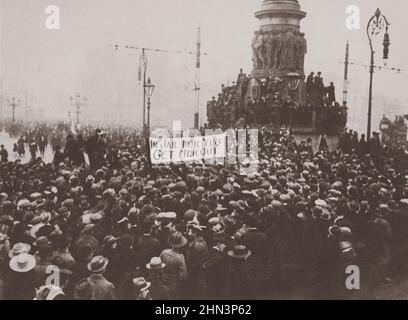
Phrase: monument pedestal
(279, 47)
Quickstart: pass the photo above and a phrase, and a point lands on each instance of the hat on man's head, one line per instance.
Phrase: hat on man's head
(167, 215)
(19, 248)
(195, 226)
(321, 203)
(155, 264)
(177, 240)
(98, 264)
(83, 290)
(239, 252)
(404, 202)
(84, 205)
(23, 262)
(141, 284)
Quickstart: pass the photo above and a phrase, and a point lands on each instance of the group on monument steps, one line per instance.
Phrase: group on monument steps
(269, 105)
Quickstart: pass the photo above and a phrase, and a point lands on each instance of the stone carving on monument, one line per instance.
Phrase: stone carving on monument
(257, 50)
(279, 51)
(278, 47)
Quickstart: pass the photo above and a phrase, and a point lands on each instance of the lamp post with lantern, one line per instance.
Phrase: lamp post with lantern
(293, 80)
(377, 24)
(149, 88)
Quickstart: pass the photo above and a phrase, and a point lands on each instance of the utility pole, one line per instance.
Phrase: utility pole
(143, 63)
(197, 81)
(345, 84)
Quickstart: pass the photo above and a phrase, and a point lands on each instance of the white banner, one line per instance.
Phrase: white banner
(177, 150)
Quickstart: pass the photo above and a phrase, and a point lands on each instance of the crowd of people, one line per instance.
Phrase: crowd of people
(269, 104)
(113, 227)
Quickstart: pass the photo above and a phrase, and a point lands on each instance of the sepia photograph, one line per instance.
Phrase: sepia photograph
(203, 150)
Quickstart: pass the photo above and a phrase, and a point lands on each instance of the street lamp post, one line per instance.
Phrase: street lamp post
(293, 80)
(13, 103)
(77, 102)
(375, 26)
(149, 88)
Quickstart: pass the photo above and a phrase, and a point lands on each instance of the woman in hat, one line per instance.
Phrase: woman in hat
(21, 281)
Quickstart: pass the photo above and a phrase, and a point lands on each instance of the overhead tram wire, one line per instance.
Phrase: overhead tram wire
(145, 49)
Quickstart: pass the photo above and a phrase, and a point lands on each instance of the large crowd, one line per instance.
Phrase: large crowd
(99, 222)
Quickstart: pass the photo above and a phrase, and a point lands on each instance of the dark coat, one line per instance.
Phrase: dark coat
(20, 286)
(240, 284)
(215, 270)
(148, 247)
(158, 290)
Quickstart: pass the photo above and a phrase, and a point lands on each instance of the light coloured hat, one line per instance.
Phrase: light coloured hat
(19, 248)
(167, 215)
(23, 262)
(155, 264)
(98, 264)
(141, 284)
(239, 252)
(321, 203)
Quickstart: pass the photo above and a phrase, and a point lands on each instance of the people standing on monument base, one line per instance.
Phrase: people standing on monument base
(269, 102)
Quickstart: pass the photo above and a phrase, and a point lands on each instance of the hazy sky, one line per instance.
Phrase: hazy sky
(54, 64)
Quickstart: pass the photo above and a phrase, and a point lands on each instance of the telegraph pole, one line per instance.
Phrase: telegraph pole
(345, 85)
(197, 81)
